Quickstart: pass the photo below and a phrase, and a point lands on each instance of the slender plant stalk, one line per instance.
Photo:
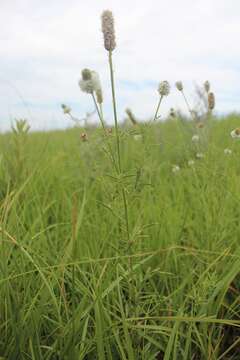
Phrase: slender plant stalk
(188, 106)
(73, 301)
(115, 110)
(99, 112)
(124, 197)
(158, 106)
(118, 142)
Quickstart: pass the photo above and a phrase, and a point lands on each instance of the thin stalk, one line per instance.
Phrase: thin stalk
(118, 142)
(73, 118)
(99, 112)
(115, 110)
(74, 250)
(126, 213)
(124, 197)
(188, 106)
(158, 106)
(73, 303)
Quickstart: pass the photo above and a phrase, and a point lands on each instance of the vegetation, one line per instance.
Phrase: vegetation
(74, 286)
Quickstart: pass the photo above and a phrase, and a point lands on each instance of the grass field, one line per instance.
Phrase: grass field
(86, 275)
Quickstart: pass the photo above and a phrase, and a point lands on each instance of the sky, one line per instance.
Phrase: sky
(45, 45)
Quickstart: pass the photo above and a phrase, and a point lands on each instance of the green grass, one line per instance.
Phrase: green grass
(73, 286)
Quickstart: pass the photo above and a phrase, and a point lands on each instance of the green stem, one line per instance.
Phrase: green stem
(73, 303)
(126, 213)
(99, 112)
(188, 106)
(158, 106)
(118, 142)
(115, 109)
(125, 205)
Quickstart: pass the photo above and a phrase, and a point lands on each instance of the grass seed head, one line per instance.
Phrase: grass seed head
(108, 30)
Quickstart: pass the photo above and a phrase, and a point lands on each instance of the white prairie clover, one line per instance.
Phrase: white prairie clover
(175, 169)
(195, 138)
(227, 151)
(137, 137)
(199, 155)
(191, 162)
(89, 83)
(164, 88)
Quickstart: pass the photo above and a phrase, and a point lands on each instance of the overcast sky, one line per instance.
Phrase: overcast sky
(45, 44)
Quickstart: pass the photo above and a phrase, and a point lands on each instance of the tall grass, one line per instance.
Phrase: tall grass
(64, 212)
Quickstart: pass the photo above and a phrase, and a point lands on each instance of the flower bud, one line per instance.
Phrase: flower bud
(179, 85)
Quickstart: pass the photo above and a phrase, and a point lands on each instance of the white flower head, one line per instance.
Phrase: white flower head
(90, 81)
(175, 168)
(199, 155)
(96, 80)
(137, 137)
(235, 134)
(86, 86)
(227, 151)
(195, 138)
(164, 88)
(191, 162)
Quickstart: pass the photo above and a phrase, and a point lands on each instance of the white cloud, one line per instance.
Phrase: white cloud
(44, 46)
